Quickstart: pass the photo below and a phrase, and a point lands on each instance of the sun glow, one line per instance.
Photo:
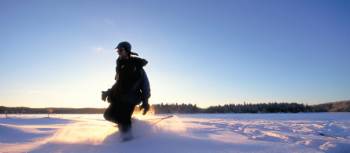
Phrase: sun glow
(92, 132)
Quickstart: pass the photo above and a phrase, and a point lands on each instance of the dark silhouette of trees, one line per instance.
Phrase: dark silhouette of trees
(234, 108)
(260, 108)
(27, 110)
(341, 106)
(176, 108)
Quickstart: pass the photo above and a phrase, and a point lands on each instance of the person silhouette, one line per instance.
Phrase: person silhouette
(130, 89)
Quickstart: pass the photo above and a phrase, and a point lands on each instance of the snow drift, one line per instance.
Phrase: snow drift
(202, 133)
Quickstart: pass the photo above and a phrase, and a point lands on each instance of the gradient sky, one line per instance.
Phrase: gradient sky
(208, 52)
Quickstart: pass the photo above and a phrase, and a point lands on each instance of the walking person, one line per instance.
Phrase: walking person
(130, 89)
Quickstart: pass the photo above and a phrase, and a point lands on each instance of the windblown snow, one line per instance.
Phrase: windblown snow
(199, 133)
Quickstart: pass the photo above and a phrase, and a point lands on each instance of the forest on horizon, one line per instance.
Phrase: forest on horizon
(273, 107)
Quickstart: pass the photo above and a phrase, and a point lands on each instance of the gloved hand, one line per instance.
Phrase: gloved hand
(145, 106)
(104, 95)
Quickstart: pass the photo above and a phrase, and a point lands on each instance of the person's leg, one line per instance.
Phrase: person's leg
(125, 117)
(129, 112)
(109, 113)
(125, 122)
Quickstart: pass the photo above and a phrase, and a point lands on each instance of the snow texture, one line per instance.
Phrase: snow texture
(199, 133)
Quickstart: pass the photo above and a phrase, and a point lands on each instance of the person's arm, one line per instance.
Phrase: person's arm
(145, 86)
(116, 70)
(146, 92)
(116, 77)
(107, 93)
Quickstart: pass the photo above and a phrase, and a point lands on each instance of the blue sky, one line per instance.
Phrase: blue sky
(61, 53)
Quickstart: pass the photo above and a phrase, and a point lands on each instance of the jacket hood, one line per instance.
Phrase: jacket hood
(140, 62)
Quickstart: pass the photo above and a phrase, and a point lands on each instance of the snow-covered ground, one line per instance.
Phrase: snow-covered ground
(199, 133)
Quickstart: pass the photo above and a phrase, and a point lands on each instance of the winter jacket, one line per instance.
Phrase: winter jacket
(132, 84)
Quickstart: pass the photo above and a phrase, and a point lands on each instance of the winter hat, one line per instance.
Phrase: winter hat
(127, 46)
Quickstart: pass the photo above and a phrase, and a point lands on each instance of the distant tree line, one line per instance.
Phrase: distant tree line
(234, 108)
(341, 106)
(176, 108)
(260, 108)
(28, 110)
(273, 107)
